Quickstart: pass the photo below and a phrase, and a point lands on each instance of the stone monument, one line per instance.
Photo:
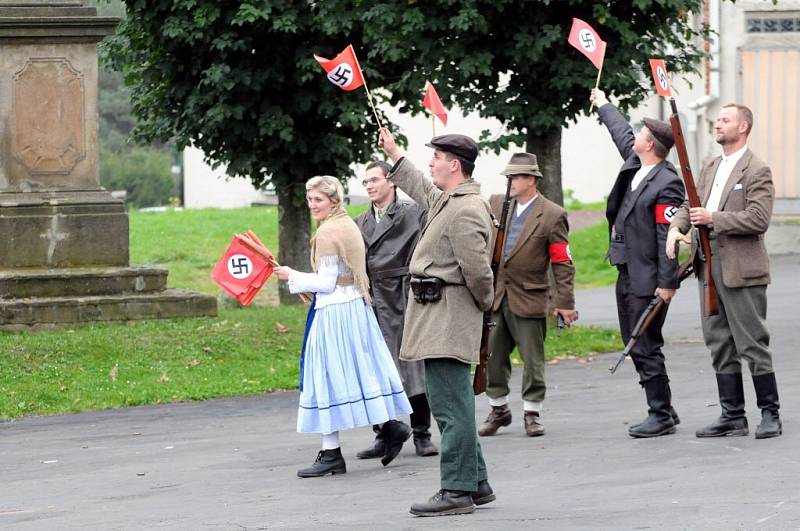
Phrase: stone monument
(63, 238)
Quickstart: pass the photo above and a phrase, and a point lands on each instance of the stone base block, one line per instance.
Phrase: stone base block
(24, 283)
(62, 229)
(46, 311)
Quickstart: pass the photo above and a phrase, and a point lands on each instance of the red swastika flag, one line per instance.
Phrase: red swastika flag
(241, 271)
(343, 70)
(583, 37)
(432, 102)
(659, 69)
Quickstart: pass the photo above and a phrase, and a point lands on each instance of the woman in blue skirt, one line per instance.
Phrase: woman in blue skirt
(347, 375)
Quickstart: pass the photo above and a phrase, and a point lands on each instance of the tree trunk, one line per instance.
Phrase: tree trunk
(546, 145)
(294, 233)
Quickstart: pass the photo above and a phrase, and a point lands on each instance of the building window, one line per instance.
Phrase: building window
(773, 22)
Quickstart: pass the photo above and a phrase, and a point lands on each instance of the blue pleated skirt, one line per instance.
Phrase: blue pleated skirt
(348, 376)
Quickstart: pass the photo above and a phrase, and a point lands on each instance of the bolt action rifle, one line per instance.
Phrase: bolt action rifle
(710, 300)
(479, 381)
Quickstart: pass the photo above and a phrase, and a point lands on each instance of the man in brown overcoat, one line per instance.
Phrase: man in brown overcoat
(737, 194)
(536, 241)
(390, 229)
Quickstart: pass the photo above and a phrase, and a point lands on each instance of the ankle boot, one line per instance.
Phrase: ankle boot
(445, 503)
(498, 417)
(378, 448)
(732, 420)
(659, 420)
(767, 400)
(327, 462)
(394, 433)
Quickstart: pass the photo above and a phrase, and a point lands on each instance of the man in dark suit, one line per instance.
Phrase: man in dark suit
(644, 198)
(737, 194)
(536, 241)
(391, 230)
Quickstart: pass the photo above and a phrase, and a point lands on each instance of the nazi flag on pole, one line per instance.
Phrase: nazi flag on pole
(241, 271)
(660, 77)
(343, 70)
(583, 37)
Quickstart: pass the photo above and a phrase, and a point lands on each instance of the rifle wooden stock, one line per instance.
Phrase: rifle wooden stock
(710, 300)
(479, 380)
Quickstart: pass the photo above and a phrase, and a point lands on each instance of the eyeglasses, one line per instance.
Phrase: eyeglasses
(371, 180)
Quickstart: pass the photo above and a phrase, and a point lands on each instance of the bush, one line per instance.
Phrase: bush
(143, 172)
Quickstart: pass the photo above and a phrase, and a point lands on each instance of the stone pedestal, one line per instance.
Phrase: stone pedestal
(63, 238)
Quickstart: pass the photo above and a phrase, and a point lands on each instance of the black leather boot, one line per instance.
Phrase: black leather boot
(378, 448)
(732, 421)
(444, 503)
(421, 425)
(327, 462)
(484, 494)
(394, 433)
(659, 419)
(767, 399)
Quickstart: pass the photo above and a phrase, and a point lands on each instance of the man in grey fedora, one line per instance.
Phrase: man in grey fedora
(536, 242)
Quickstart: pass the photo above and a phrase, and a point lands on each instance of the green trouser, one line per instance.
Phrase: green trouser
(452, 403)
(528, 335)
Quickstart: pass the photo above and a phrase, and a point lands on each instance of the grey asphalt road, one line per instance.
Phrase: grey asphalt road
(230, 464)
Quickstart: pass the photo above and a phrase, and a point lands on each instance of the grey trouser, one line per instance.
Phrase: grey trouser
(739, 330)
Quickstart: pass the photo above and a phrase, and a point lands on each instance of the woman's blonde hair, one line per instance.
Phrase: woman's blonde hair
(328, 185)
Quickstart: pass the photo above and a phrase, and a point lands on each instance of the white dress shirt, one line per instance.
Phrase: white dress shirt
(640, 175)
(521, 207)
(723, 173)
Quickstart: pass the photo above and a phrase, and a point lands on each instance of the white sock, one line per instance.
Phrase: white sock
(527, 405)
(330, 441)
(499, 401)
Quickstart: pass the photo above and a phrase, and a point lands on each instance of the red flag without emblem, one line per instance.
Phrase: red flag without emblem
(583, 37)
(343, 70)
(659, 69)
(432, 102)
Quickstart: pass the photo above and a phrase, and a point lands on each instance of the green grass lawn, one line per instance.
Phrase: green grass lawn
(243, 351)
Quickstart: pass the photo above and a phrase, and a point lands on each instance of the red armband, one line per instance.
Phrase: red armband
(665, 213)
(559, 252)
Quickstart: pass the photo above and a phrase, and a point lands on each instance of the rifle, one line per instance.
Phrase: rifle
(648, 315)
(710, 300)
(479, 381)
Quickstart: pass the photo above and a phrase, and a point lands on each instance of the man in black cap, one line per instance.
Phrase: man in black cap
(451, 288)
(536, 243)
(643, 201)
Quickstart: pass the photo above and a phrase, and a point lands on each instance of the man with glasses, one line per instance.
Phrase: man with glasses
(391, 229)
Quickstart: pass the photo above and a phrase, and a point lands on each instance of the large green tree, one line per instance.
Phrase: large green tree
(238, 80)
(510, 60)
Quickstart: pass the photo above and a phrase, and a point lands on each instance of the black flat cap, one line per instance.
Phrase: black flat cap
(461, 146)
(661, 131)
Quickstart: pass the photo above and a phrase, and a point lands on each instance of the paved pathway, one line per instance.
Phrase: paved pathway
(230, 464)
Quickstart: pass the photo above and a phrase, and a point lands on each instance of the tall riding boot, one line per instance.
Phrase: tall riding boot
(659, 419)
(732, 421)
(767, 399)
(421, 426)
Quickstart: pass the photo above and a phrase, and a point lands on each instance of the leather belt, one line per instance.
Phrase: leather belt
(390, 273)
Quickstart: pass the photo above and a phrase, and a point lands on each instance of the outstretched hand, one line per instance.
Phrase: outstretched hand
(387, 142)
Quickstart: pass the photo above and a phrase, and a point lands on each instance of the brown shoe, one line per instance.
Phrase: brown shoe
(498, 417)
(532, 426)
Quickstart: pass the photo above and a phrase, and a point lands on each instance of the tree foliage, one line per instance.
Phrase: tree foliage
(510, 60)
(237, 79)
